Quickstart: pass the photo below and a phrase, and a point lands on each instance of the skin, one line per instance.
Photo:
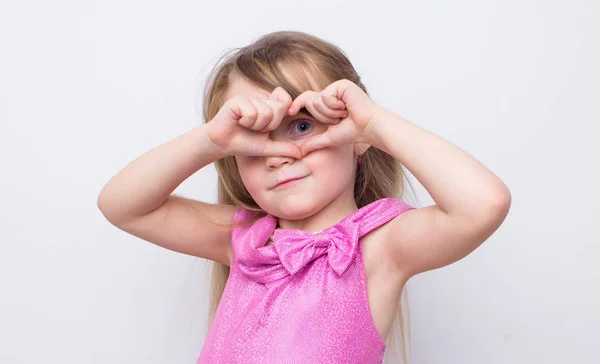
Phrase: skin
(471, 202)
(326, 193)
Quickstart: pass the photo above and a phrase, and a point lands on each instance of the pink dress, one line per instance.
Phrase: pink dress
(303, 298)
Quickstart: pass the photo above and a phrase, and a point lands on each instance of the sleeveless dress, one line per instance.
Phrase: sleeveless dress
(303, 298)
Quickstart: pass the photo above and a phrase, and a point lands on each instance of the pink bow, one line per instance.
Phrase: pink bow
(298, 248)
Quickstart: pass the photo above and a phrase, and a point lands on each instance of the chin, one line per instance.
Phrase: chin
(293, 206)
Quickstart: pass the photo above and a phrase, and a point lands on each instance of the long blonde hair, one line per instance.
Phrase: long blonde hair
(260, 63)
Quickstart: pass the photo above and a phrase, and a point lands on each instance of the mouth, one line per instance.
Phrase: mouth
(288, 182)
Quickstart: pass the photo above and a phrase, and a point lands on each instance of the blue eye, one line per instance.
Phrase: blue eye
(302, 126)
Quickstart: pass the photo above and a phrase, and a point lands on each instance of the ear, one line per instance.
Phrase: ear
(360, 148)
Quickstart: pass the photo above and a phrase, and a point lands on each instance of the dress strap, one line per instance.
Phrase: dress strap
(368, 217)
(377, 213)
(242, 214)
(293, 249)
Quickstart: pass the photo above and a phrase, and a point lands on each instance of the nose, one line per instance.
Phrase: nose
(277, 162)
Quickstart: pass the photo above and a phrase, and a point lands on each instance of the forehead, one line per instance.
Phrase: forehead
(244, 88)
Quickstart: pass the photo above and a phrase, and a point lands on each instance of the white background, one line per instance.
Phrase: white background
(87, 86)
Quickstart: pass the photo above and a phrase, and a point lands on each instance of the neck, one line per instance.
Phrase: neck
(326, 217)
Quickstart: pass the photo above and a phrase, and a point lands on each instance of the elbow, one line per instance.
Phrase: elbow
(492, 208)
(492, 215)
(498, 206)
(101, 201)
(502, 201)
(106, 207)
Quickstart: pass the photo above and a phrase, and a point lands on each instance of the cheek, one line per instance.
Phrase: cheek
(250, 174)
(333, 163)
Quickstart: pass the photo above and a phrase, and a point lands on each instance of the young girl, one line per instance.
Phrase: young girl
(311, 240)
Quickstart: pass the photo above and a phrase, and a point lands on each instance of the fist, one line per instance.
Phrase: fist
(242, 126)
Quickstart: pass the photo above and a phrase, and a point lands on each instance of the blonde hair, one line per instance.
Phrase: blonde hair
(261, 63)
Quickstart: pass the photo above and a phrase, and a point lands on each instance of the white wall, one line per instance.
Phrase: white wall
(87, 86)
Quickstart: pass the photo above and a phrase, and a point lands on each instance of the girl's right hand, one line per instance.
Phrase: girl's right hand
(242, 126)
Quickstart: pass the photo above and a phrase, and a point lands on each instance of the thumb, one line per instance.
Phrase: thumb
(276, 149)
(318, 141)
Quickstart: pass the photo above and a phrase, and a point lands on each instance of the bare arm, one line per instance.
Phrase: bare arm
(139, 199)
(471, 201)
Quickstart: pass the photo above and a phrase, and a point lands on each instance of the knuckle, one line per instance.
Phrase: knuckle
(268, 113)
(251, 115)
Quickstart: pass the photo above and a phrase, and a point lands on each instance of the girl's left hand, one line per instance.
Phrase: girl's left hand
(355, 123)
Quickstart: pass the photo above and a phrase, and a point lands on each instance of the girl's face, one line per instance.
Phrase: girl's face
(323, 176)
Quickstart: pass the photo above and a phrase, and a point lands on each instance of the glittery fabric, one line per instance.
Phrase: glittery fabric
(303, 298)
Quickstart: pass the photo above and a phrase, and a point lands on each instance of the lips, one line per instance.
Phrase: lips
(287, 180)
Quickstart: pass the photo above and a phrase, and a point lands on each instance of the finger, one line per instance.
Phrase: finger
(316, 142)
(274, 149)
(281, 95)
(280, 101)
(265, 114)
(333, 102)
(300, 101)
(279, 109)
(310, 105)
(334, 114)
(248, 112)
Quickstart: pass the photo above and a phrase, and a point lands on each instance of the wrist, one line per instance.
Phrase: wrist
(214, 150)
(371, 133)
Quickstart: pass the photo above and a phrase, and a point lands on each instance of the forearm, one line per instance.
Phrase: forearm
(457, 182)
(146, 182)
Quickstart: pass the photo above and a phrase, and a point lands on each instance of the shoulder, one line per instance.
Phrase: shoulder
(243, 217)
(428, 238)
(246, 224)
(388, 206)
(397, 205)
(377, 227)
(380, 212)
